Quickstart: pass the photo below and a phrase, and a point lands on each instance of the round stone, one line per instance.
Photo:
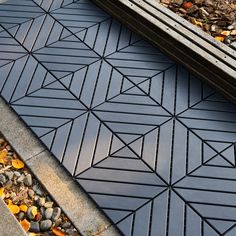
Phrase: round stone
(48, 213)
(48, 204)
(3, 179)
(28, 180)
(38, 190)
(45, 225)
(17, 174)
(21, 178)
(34, 227)
(31, 193)
(56, 213)
(41, 201)
(9, 175)
(21, 216)
(66, 225)
(58, 222)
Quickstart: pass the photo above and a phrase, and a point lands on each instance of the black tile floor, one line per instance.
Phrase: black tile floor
(150, 143)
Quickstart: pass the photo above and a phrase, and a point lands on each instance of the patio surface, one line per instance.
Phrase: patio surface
(152, 145)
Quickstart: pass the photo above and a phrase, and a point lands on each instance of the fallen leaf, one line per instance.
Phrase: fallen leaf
(34, 211)
(219, 38)
(25, 225)
(13, 208)
(37, 217)
(18, 164)
(32, 234)
(57, 232)
(225, 33)
(23, 208)
(198, 23)
(3, 155)
(2, 194)
(187, 5)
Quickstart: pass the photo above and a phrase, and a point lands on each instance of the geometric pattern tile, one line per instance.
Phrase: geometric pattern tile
(151, 144)
(14, 12)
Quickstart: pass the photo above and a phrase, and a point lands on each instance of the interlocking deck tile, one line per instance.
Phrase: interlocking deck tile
(151, 144)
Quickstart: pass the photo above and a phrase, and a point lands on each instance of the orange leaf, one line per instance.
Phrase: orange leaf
(3, 155)
(23, 208)
(17, 164)
(14, 209)
(219, 38)
(2, 194)
(37, 217)
(57, 232)
(187, 5)
(25, 225)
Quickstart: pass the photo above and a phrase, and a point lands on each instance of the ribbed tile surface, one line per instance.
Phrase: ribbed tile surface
(150, 143)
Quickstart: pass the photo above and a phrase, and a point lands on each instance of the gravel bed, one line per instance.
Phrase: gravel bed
(33, 207)
(216, 17)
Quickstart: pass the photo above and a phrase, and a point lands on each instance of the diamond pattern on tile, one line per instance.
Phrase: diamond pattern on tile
(48, 108)
(10, 49)
(14, 12)
(108, 37)
(39, 32)
(66, 56)
(50, 5)
(32, 76)
(152, 145)
(79, 15)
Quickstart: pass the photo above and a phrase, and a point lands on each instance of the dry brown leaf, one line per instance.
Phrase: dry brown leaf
(13, 208)
(57, 232)
(25, 225)
(37, 217)
(18, 164)
(23, 208)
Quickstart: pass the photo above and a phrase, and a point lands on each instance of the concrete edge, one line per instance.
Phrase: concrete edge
(156, 28)
(80, 209)
(8, 223)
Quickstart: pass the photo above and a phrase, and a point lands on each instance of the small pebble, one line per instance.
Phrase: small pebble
(21, 215)
(56, 213)
(29, 212)
(28, 180)
(45, 225)
(48, 204)
(21, 178)
(48, 213)
(17, 174)
(41, 201)
(8, 184)
(34, 227)
(66, 225)
(3, 179)
(10, 153)
(58, 222)
(38, 190)
(9, 175)
(69, 231)
(31, 193)
(233, 45)
(12, 195)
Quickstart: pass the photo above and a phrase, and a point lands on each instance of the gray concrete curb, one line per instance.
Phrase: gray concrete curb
(73, 201)
(8, 223)
(210, 60)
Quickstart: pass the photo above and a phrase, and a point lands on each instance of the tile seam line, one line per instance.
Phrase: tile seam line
(49, 155)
